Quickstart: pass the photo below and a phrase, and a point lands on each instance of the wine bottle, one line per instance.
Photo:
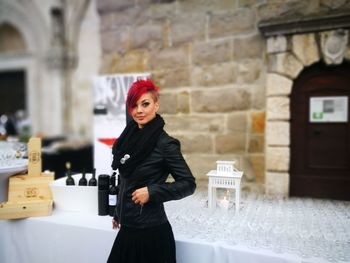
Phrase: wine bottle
(103, 184)
(83, 180)
(93, 181)
(112, 195)
(70, 179)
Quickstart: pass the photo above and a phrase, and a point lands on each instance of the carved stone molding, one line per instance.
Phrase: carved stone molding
(300, 25)
(57, 59)
(334, 45)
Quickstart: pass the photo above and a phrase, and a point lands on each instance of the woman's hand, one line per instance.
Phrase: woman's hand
(115, 224)
(140, 196)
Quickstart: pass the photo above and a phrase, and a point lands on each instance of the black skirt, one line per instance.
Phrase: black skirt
(150, 245)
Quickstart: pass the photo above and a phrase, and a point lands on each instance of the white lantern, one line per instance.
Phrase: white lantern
(225, 176)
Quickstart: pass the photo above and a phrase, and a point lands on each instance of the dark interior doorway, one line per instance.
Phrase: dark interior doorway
(320, 133)
(12, 92)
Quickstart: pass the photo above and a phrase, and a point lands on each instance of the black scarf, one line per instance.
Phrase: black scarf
(135, 144)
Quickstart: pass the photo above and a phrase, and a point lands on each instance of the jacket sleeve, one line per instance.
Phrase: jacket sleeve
(184, 184)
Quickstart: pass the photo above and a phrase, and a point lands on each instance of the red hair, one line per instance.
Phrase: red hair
(137, 89)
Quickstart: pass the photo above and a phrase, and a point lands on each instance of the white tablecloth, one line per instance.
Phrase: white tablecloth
(74, 237)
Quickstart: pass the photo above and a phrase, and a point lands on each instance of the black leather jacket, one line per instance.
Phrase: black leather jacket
(165, 159)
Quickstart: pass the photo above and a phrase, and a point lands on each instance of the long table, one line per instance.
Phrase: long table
(75, 237)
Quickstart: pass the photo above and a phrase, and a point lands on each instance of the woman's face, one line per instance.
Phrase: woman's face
(145, 109)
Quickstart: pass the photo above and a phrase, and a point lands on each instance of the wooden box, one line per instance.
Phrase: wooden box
(29, 194)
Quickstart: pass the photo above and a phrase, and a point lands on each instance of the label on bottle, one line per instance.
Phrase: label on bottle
(112, 200)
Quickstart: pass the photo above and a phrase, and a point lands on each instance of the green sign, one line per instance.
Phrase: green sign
(317, 115)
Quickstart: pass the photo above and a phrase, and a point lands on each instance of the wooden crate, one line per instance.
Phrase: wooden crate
(29, 194)
(23, 188)
(13, 210)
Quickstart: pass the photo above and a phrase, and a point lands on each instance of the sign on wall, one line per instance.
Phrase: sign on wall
(110, 115)
(329, 109)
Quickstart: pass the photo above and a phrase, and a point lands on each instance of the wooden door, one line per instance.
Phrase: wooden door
(320, 150)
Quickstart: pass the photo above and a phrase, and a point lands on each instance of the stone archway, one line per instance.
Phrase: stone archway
(291, 47)
(28, 22)
(49, 65)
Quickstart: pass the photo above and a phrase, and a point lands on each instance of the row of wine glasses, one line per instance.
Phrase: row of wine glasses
(11, 152)
(309, 228)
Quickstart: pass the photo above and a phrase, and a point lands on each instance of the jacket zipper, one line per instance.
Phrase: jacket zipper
(121, 203)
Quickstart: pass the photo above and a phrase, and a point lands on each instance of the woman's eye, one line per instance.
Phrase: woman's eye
(145, 104)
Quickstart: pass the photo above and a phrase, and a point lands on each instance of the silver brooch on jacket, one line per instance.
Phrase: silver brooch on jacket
(124, 159)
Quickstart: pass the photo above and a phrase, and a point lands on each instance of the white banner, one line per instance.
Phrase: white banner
(110, 115)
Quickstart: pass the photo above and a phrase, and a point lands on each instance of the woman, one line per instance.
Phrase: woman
(145, 155)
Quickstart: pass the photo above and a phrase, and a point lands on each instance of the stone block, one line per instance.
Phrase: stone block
(258, 166)
(173, 57)
(115, 40)
(194, 123)
(230, 23)
(147, 36)
(347, 53)
(105, 6)
(305, 48)
(277, 133)
(167, 103)
(207, 53)
(237, 122)
(277, 184)
(259, 97)
(278, 85)
(187, 28)
(114, 63)
(269, 10)
(277, 159)
(257, 122)
(202, 6)
(249, 71)
(183, 102)
(248, 47)
(333, 4)
(285, 64)
(256, 144)
(249, 3)
(196, 143)
(214, 75)
(277, 44)
(278, 108)
(173, 77)
(201, 164)
(220, 100)
(231, 142)
(135, 61)
(162, 11)
(106, 21)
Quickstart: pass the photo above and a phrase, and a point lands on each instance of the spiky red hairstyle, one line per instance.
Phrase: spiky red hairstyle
(137, 89)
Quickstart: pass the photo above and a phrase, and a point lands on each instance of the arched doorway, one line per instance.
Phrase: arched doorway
(12, 81)
(320, 132)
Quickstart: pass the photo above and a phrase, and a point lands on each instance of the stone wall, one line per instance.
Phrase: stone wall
(210, 61)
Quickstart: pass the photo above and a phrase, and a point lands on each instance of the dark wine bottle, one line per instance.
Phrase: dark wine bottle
(70, 179)
(112, 195)
(93, 181)
(83, 180)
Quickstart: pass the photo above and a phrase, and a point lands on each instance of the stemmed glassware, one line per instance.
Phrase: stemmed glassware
(11, 153)
(310, 228)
